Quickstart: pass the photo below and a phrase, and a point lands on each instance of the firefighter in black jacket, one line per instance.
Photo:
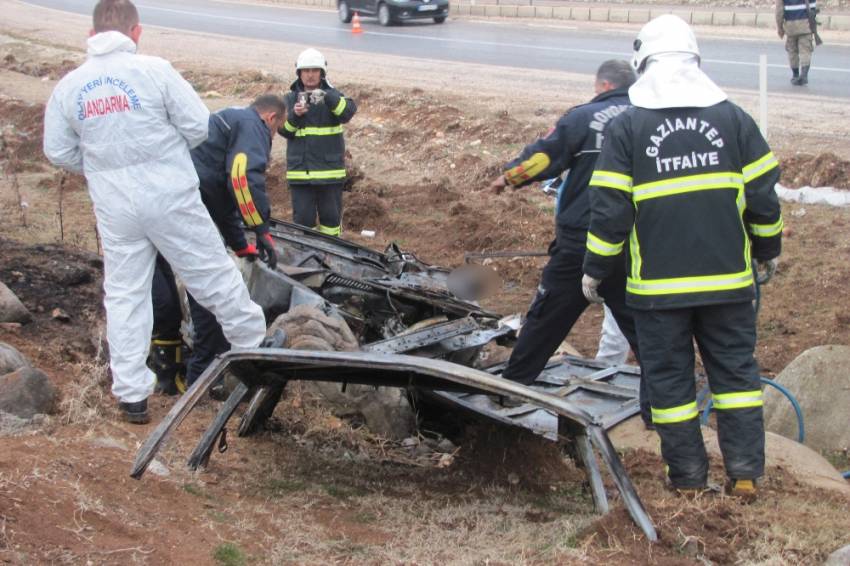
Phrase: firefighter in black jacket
(315, 150)
(231, 165)
(688, 179)
(573, 144)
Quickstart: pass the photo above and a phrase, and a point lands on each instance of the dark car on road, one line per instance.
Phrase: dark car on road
(390, 12)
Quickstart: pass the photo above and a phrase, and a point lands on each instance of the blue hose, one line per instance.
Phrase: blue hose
(801, 429)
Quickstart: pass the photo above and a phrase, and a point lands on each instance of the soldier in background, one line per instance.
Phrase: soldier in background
(794, 23)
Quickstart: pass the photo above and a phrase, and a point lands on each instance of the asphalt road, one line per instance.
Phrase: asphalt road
(733, 63)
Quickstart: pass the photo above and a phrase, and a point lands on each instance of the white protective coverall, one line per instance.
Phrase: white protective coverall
(127, 122)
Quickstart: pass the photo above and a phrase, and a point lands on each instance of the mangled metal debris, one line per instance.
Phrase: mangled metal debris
(393, 303)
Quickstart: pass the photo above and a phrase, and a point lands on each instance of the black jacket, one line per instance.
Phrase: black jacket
(231, 166)
(693, 190)
(573, 144)
(315, 149)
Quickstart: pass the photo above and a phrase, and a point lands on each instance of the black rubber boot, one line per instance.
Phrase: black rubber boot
(795, 76)
(166, 360)
(804, 75)
(136, 412)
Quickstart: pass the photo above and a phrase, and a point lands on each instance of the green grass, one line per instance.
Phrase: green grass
(194, 489)
(228, 554)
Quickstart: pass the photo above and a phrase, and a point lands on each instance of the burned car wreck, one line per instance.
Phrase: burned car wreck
(406, 329)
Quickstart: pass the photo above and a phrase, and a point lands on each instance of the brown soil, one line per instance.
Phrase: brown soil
(822, 170)
(318, 490)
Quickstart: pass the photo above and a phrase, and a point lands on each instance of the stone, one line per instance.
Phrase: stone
(840, 557)
(11, 359)
(446, 446)
(60, 315)
(818, 380)
(11, 308)
(27, 392)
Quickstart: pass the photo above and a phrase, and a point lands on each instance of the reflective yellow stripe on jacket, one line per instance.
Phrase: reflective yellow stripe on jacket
(723, 282)
(740, 400)
(239, 181)
(678, 414)
(767, 230)
(760, 166)
(599, 246)
(340, 108)
(310, 175)
(688, 184)
(318, 131)
(612, 180)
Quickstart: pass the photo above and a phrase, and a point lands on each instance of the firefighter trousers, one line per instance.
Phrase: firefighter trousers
(557, 306)
(308, 201)
(726, 337)
(208, 339)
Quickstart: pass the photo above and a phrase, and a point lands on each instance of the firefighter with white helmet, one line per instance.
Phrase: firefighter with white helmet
(315, 152)
(685, 187)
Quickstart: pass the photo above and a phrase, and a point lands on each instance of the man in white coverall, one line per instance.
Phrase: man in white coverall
(127, 122)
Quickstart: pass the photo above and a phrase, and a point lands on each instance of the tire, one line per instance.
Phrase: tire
(344, 12)
(439, 19)
(384, 16)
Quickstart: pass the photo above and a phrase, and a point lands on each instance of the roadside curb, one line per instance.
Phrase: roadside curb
(554, 10)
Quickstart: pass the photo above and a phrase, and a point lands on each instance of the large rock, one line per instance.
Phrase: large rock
(806, 465)
(11, 359)
(27, 392)
(11, 308)
(385, 410)
(819, 380)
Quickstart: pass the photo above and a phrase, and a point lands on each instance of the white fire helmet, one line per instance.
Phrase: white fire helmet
(664, 34)
(311, 59)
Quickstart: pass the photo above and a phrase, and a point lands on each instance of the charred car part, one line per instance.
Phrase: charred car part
(395, 303)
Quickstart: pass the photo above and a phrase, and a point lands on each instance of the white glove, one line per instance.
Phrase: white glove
(590, 286)
(766, 270)
(317, 96)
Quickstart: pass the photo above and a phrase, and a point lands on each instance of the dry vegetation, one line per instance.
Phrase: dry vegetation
(319, 490)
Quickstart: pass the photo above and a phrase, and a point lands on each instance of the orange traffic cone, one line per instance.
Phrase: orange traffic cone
(355, 24)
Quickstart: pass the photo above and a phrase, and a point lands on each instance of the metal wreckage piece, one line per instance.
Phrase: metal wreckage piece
(403, 312)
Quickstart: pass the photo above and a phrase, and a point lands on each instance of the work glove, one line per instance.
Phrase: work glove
(590, 288)
(317, 96)
(249, 252)
(766, 270)
(265, 246)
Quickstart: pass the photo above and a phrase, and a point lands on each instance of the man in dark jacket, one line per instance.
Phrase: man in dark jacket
(231, 165)
(688, 179)
(315, 150)
(573, 144)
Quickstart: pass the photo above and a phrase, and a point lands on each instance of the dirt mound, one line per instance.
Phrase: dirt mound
(48, 277)
(364, 209)
(822, 170)
(22, 130)
(249, 84)
(503, 455)
(44, 69)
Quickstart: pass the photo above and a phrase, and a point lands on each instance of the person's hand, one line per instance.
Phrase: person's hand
(249, 252)
(780, 32)
(590, 289)
(498, 185)
(300, 108)
(265, 246)
(766, 270)
(317, 96)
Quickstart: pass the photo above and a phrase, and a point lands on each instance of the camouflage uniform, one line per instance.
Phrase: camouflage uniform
(792, 19)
